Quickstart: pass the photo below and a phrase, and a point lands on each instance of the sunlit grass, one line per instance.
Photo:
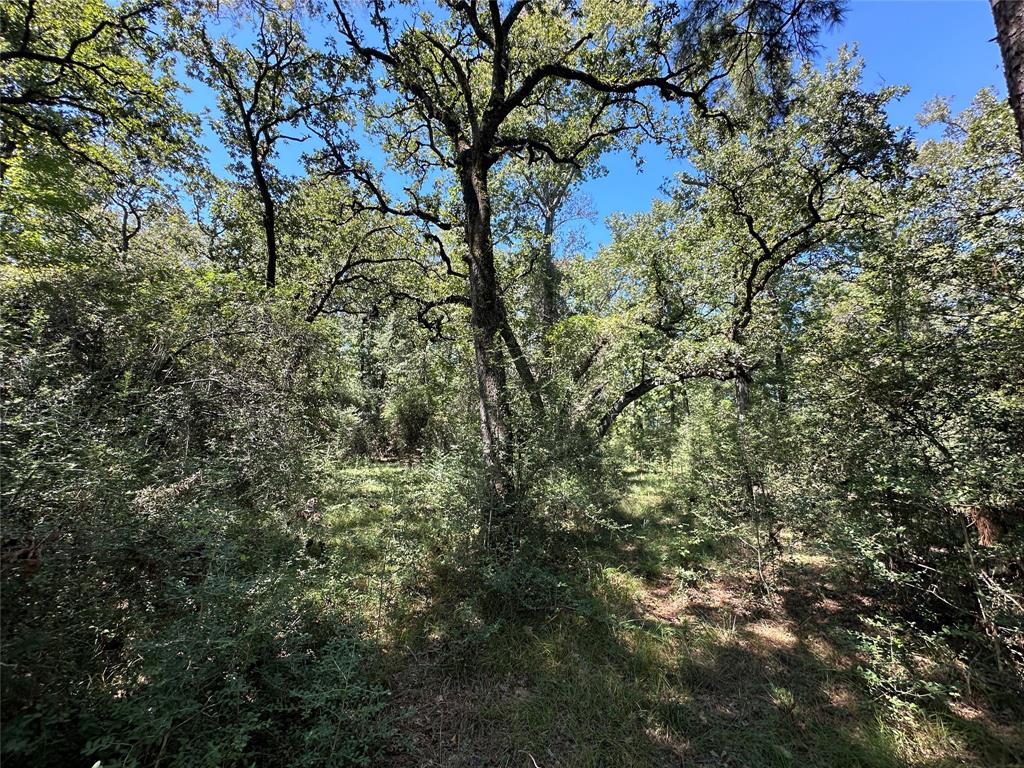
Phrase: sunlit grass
(639, 667)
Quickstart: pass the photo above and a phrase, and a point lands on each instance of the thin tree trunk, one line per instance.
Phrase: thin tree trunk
(741, 382)
(625, 400)
(269, 223)
(1009, 19)
(780, 372)
(742, 379)
(548, 277)
(522, 366)
(269, 214)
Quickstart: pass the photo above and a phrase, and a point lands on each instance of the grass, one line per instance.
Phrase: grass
(655, 648)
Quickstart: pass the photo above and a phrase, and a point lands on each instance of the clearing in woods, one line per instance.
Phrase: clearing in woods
(659, 648)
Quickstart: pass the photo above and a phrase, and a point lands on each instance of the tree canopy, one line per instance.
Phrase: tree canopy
(318, 404)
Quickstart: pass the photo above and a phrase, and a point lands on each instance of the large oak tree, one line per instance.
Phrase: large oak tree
(473, 85)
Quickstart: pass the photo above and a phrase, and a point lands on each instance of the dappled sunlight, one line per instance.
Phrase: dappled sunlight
(773, 635)
(642, 670)
(355, 412)
(631, 664)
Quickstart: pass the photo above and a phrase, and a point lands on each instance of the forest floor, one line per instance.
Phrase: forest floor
(663, 651)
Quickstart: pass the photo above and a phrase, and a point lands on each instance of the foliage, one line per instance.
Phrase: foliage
(334, 454)
(166, 458)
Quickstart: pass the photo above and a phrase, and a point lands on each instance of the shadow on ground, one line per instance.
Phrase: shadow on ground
(637, 667)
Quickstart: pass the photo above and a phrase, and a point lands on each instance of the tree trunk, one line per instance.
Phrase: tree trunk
(372, 378)
(548, 277)
(741, 381)
(487, 320)
(1009, 19)
(270, 226)
(627, 398)
(269, 223)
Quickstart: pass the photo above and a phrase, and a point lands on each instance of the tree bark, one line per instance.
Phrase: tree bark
(1009, 19)
(741, 382)
(522, 366)
(270, 228)
(269, 218)
(487, 320)
(624, 401)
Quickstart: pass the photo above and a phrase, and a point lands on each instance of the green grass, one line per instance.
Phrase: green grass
(656, 651)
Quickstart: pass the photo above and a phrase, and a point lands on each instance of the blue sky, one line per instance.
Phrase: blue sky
(936, 47)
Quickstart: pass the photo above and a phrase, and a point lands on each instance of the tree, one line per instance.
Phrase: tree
(537, 202)
(81, 82)
(911, 371)
(265, 93)
(768, 197)
(1009, 19)
(81, 75)
(473, 88)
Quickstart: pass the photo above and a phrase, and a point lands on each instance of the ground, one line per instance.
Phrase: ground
(648, 656)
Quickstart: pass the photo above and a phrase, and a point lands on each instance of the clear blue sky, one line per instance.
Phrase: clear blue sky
(936, 47)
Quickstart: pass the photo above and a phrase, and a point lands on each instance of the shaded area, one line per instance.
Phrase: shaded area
(635, 666)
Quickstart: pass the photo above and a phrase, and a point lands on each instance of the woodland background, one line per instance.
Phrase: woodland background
(380, 463)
